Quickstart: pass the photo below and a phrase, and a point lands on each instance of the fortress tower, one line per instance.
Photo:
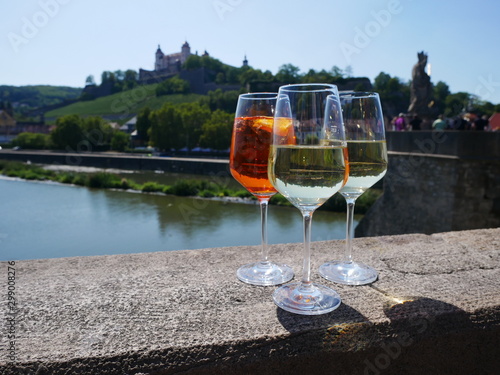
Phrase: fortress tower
(173, 61)
(185, 52)
(159, 58)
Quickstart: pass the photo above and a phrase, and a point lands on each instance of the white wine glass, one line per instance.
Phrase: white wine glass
(367, 149)
(307, 166)
(248, 158)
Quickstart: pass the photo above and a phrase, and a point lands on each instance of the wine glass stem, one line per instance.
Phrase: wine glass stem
(306, 267)
(263, 215)
(349, 229)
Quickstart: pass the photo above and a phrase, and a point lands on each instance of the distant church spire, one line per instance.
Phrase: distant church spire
(245, 61)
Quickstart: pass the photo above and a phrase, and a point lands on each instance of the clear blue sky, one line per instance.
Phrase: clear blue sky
(61, 42)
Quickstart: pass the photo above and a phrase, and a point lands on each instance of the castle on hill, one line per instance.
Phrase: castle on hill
(167, 66)
(172, 61)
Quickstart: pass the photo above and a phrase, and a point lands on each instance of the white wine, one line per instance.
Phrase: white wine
(367, 165)
(307, 175)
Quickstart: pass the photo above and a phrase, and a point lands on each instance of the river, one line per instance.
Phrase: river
(50, 220)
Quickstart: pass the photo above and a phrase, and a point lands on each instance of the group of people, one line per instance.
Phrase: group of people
(403, 122)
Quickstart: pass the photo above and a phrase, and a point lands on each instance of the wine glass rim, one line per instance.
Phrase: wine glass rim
(259, 95)
(308, 87)
(358, 94)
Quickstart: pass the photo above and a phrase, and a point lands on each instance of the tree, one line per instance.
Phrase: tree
(68, 133)
(394, 94)
(380, 82)
(90, 80)
(217, 131)
(441, 92)
(130, 79)
(96, 131)
(174, 85)
(485, 108)
(7, 107)
(337, 72)
(288, 73)
(166, 128)
(318, 77)
(119, 75)
(120, 141)
(348, 71)
(456, 104)
(223, 100)
(249, 75)
(194, 115)
(193, 62)
(143, 124)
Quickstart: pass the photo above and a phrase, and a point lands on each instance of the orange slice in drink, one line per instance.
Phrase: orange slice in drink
(284, 129)
(263, 123)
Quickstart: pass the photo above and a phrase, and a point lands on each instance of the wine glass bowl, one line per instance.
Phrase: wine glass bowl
(365, 135)
(307, 166)
(248, 163)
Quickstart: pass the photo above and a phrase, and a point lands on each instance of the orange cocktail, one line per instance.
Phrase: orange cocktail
(250, 152)
(248, 160)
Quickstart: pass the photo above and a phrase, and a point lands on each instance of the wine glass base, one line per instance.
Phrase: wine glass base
(349, 273)
(264, 274)
(314, 299)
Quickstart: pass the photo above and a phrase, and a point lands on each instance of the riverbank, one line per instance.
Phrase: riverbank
(98, 178)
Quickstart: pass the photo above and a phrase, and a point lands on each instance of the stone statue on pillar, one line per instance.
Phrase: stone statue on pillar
(421, 103)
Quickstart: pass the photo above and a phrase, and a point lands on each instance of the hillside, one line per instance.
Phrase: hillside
(121, 106)
(26, 98)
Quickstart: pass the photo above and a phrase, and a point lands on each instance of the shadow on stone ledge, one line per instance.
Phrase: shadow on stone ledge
(441, 338)
(295, 323)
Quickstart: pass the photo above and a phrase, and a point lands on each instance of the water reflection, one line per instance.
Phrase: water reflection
(41, 220)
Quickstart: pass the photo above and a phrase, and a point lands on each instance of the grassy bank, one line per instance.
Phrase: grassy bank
(199, 188)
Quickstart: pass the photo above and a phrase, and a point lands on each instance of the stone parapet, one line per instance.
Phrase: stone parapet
(425, 193)
(202, 166)
(434, 310)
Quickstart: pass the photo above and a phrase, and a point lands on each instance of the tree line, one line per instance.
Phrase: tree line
(73, 133)
(170, 128)
(185, 126)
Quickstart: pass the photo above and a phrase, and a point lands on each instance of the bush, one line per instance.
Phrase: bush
(184, 188)
(66, 178)
(206, 194)
(152, 187)
(35, 141)
(79, 180)
(103, 180)
(243, 194)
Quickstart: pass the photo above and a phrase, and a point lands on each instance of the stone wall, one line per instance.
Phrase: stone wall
(434, 310)
(449, 181)
(219, 167)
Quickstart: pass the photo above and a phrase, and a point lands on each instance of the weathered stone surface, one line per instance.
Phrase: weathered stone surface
(435, 309)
